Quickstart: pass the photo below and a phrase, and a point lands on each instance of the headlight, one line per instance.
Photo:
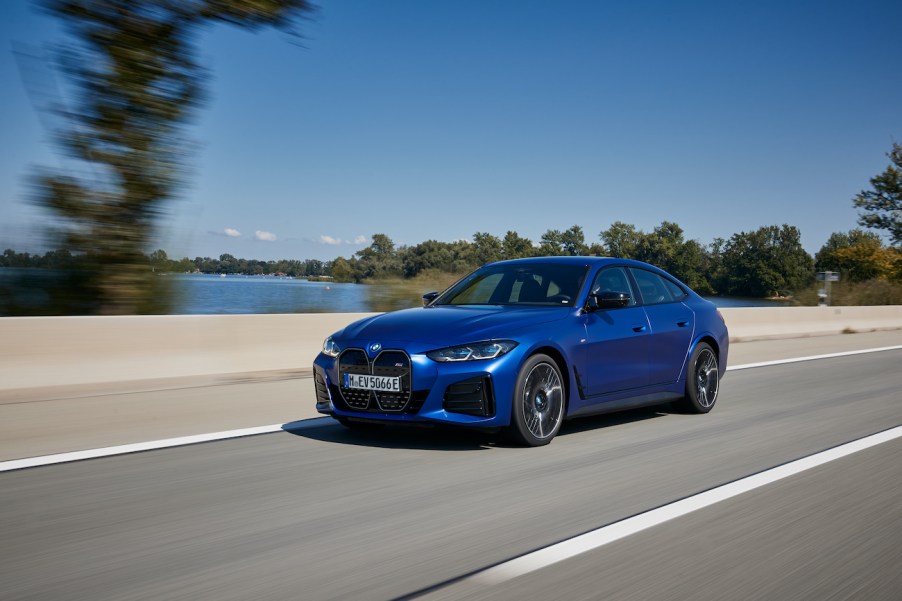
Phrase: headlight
(330, 348)
(489, 349)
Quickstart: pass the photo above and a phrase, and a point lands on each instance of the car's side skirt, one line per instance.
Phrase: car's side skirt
(622, 404)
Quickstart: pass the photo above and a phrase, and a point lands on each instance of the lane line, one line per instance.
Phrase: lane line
(814, 357)
(18, 464)
(595, 539)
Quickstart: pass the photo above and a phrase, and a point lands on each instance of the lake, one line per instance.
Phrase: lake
(201, 294)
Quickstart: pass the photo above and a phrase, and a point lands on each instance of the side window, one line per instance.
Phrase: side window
(676, 292)
(656, 289)
(613, 279)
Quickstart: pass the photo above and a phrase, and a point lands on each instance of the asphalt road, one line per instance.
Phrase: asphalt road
(318, 512)
(44, 421)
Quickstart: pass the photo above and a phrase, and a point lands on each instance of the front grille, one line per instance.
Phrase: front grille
(387, 363)
(471, 397)
(354, 361)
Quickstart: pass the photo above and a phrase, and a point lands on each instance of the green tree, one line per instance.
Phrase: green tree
(341, 270)
(379, 259)
(621, 240)
(573, 242)
(515, 246)
(430, 254)
(137, 83)
(486, 248)
(882, 204)
(769, 261)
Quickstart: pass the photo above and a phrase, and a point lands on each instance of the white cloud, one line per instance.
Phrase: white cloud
(329, 240)
(360, 240)
(232, 232)
(264, 236)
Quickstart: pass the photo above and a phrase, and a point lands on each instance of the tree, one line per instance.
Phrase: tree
(883, 203)
(858, 255)
(769, 261)
(341, 270)
(486, 248)
(570, 242)
(573, 242)
(430, 254)
(621, 240)
(137, 83)
(379, 259)
(514, 246)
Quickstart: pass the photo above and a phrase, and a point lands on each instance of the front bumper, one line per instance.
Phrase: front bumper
(466, 393)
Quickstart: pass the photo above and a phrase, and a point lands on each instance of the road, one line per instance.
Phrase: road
(318, 512)
(44, 421)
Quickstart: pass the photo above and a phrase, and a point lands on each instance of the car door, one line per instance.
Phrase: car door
(617, 339)
(672, 324)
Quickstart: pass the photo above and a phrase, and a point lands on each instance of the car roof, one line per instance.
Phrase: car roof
(579, 260)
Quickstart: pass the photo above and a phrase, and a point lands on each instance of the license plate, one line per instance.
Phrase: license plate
(377, 383)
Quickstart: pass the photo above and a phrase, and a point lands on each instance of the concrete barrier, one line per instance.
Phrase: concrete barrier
(762, 323)
(71, 351)
(41, 352)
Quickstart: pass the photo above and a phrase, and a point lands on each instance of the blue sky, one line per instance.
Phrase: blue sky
(440, 119)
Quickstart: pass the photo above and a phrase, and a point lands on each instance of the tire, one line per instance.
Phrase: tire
(702, 381)
(537, 407)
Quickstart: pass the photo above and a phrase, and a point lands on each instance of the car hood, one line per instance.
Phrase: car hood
(448, 325)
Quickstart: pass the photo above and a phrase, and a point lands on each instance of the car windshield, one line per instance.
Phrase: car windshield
(546, 284)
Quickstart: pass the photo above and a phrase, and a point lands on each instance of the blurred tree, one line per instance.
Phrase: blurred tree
(883, 203)
(137, 82)
(341, 270)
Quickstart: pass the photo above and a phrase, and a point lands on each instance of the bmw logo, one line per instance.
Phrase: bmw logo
(375, 347)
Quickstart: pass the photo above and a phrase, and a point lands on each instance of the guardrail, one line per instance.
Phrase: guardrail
(72, 351)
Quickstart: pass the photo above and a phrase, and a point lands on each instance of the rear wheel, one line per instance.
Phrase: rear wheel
(702, 381)
(538, 403)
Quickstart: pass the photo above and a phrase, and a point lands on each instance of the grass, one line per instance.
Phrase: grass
(849, 294)
(391, 294)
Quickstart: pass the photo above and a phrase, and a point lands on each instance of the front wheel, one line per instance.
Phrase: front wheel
(538, 403)
(702, 381)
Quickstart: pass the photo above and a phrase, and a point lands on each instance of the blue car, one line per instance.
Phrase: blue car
(522, 345)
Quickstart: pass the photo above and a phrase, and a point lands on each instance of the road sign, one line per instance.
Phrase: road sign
(827, 276)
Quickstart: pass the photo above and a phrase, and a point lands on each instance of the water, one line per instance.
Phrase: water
(201, 294)
(211, 294)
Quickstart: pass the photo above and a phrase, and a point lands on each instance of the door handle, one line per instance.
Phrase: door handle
(638, 328)
(683, 323)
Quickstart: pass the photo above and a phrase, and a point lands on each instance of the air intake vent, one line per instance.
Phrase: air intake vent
(471, 397)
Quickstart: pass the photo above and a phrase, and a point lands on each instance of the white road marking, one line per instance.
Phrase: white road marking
(814, 357)
(18, 464)
(616, 531)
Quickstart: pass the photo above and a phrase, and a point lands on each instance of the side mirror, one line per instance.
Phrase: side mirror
(607, 300)
(429, 297)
